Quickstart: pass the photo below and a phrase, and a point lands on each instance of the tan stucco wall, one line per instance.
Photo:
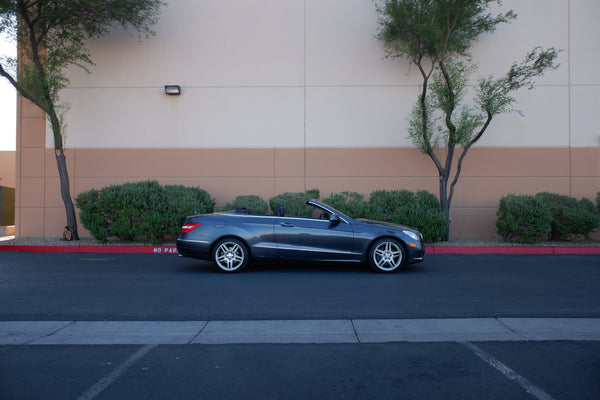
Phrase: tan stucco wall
(262, 112)
(7, 168)
(488, 174)
(7, 180)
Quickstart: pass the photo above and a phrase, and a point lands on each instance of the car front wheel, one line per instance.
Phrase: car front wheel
(387, 255)
(230, 255)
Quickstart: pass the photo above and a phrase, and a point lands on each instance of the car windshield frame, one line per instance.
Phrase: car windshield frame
(330, 210)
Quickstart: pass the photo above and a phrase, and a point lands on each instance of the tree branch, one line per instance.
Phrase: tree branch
(21, 90)
(464, 153)
(424, 114)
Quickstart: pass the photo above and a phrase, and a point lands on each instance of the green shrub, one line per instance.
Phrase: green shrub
(591, 219)
(294, 203)
(429, 216)
(523, 218)
(182, 201)
(254, 204)
(570, 217)
(90, 216)
(350, 203)
(598, 201)
(419, 210)
(384, 204)
(140, 209)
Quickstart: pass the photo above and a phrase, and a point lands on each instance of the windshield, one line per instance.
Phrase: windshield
(320, 208)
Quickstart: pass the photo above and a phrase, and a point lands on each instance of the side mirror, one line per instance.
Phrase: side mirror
(334, 219)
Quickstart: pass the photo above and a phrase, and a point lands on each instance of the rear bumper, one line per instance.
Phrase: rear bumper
(193, 249)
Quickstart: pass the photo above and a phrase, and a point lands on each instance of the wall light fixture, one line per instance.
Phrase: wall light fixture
(173, 90)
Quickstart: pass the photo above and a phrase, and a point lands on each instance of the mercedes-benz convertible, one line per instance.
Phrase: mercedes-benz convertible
(231, 239)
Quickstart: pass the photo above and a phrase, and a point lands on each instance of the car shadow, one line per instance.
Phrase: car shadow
(316, 266)
(191, 265)
(196, 266)
(306, 266)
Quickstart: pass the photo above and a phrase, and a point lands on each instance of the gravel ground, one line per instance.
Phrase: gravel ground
(90, 241)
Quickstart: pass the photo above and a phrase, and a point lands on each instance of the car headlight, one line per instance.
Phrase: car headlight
(412, 235)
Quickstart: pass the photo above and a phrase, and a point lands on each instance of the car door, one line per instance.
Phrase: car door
(313, 238)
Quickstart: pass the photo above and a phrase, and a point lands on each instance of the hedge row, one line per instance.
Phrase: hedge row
(419, 210)
(141, 209)
(254, 204)
(294, 203)
(147, 209)
(527, 218)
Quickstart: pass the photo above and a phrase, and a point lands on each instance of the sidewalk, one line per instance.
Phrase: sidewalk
(297, 331)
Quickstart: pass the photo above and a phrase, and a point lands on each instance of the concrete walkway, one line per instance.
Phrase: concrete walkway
(297, 331)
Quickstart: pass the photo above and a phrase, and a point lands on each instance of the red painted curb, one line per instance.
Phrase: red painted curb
(511, 250)
(91, 249)
(551, 250)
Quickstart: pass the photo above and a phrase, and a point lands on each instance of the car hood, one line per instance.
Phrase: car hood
(383, 224)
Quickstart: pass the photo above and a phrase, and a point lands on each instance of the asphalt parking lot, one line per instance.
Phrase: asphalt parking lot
(105, 326)
(444, 370)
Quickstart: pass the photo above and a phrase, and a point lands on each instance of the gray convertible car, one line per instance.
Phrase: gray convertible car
(231, 239)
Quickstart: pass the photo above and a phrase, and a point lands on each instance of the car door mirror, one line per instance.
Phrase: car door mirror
(334, 219)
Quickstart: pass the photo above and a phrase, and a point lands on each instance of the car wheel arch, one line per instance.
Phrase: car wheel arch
(378, 241)
(218, 240)
(397, 239)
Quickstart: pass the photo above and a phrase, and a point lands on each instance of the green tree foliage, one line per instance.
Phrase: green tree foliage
(52, 36)
(436, 36)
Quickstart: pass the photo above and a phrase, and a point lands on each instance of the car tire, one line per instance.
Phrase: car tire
(230, 255)
(387, 255)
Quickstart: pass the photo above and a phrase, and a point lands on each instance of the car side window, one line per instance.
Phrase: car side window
(319, 213)
(316, 212)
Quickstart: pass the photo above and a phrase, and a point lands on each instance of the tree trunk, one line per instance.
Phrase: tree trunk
(445, 203)
(65, 192)
(63, 174)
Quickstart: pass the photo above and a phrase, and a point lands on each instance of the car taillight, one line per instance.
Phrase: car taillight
(190, 226)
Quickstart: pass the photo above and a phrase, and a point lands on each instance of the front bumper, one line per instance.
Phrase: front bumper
(416, 254)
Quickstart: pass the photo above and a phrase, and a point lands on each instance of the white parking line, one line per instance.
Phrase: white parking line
(508, 372)
(115, 374)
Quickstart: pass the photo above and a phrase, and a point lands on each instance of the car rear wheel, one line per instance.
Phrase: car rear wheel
(387, 255)
(230, 255)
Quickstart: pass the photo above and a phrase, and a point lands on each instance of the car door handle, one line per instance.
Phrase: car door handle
(287, 224)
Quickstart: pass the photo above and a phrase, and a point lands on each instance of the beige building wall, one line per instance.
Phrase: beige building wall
(7, 168)
(297, 94)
